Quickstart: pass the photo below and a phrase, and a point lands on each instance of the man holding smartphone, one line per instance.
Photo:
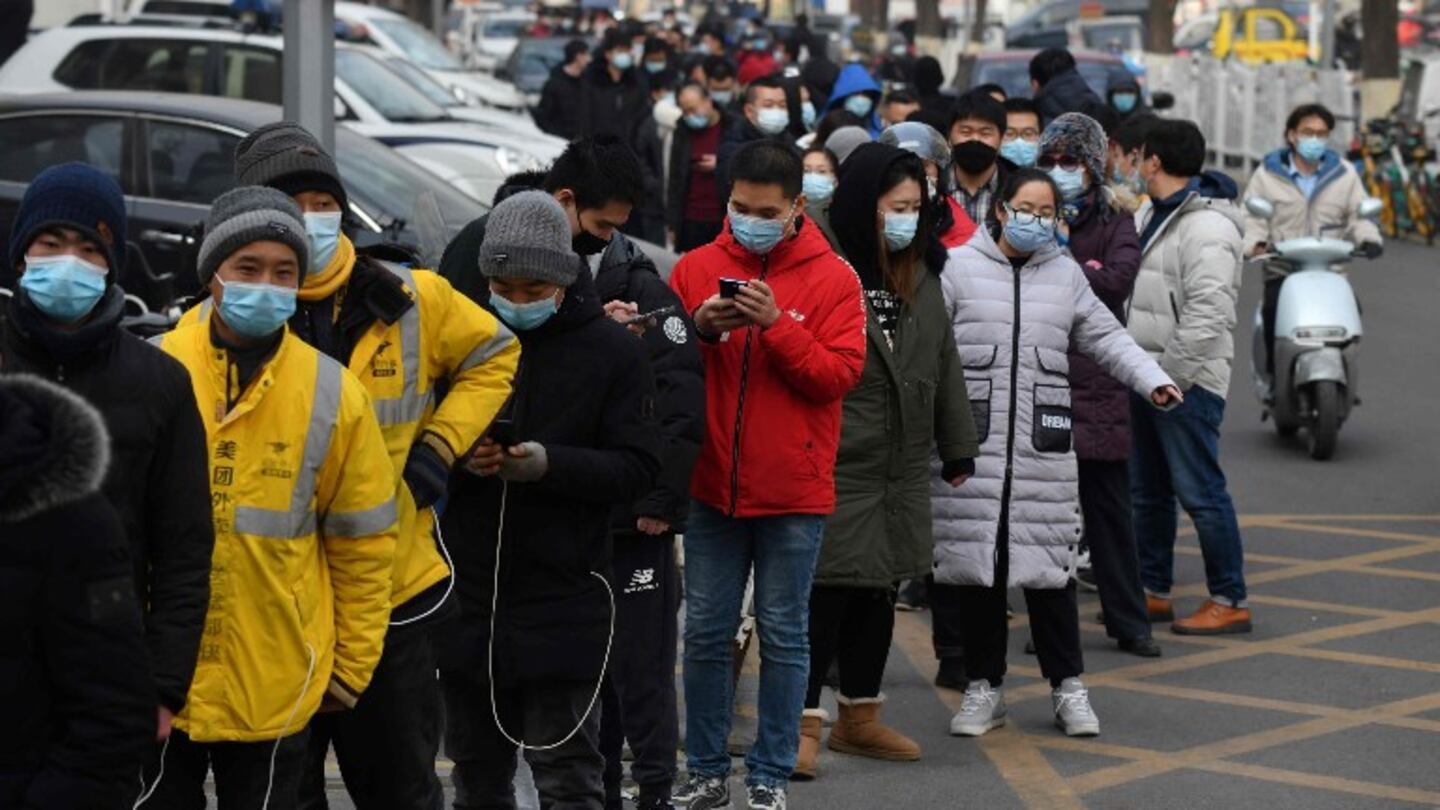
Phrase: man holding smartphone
(781, 351)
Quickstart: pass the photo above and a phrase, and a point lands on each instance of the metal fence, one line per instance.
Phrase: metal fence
(1242, 108)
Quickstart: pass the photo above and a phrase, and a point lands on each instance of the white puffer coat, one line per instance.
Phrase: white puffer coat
(1013, 329)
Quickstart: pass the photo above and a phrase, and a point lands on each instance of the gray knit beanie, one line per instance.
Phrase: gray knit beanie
(251, 214)
(528, 236)
(1080, 136)
(285, 156)
(845, 140)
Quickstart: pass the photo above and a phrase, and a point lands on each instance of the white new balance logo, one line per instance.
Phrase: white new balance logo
(642, 579)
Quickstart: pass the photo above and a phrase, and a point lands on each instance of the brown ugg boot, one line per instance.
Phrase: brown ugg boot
(807, 763)
(860, 732)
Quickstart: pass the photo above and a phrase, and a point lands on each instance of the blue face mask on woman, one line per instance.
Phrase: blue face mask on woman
(818, 187)
(900, 229)
(323, 229)
(255, 310)
(758, 234)
(525, 317)
(1027, 232)
(859, 105)
(63, 287)
(1070, 181)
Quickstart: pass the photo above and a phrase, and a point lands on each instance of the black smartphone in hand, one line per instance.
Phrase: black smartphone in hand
(730, 286)
(502, 432)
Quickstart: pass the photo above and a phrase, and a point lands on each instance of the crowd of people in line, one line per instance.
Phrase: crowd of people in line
(962, 343)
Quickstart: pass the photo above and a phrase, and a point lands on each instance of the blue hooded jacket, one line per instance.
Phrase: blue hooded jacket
(1278, 164)
(856, 79)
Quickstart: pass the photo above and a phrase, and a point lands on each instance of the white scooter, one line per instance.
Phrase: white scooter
(1317, 336)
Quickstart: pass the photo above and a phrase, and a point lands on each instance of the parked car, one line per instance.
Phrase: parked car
(174, 154)
(1011, 70)
(425, 84)
(1044, 26)
(187, 12)
(1119, 34)
(400, 35)
(495, 36)
(1250, 35)
(531, 64)
(370, 95)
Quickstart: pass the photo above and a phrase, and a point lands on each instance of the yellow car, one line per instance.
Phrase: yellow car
(1251, 35)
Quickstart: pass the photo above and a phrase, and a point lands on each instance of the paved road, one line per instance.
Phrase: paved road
(1334, 701)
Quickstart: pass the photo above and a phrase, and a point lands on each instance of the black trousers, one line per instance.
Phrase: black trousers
(1268, 307)
(640, 701)
(1105, 504)
(852, 626)
(694, 234)
(1054, 624)
(947, 619)
(242, 773)
(386, 745)
(568, 776)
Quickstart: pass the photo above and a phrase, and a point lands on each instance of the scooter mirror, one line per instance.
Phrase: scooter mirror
(1370, 208)
(1162, 100)
(1259, 207)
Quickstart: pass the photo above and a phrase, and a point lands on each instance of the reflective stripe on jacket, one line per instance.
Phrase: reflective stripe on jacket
(444, 336)
(305, 526)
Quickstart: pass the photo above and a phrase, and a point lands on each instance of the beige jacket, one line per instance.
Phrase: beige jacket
(1339, 191)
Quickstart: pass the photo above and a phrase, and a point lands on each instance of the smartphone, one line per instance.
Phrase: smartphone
(730, 286)
(646, 316)
(502, 432)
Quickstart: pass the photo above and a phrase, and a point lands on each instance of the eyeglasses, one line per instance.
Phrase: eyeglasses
(1028, 217)
(1029, 134)
(1069, 163)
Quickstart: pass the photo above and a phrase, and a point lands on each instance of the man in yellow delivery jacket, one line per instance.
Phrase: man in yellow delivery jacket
(402, 332)
(305, 521)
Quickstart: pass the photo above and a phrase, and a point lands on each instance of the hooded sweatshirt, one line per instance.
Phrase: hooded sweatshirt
(854, 78)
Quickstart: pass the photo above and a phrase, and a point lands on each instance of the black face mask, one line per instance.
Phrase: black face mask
(974, 157)
(588, 244)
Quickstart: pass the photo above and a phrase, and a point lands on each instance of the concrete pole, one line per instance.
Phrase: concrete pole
(1329, 12)
(309, 83)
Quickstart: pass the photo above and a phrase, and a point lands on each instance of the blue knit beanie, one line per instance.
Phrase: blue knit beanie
(76, 196)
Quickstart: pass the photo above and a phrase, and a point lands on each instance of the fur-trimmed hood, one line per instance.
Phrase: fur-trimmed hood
(53, 447)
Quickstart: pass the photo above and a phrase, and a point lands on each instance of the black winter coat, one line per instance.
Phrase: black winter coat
(677, 180)
(159, 482)
(585, 392)
(76, 690)
(1067, 92)
(561, 109)
(739, 133)
(609, 107)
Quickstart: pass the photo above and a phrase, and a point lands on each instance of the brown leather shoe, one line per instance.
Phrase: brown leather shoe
(860, 732)
(1214, 619)
(1161, 610)
(807, 762)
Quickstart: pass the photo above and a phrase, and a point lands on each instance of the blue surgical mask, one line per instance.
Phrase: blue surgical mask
(525, 317)
(722, 97)
(818, 187)
(64, 287)
(697, 121)
(1020, 152)
(757, 234)
(323, 230)
(807, 114)
(1071, 182)
(1312, 148)
(622, 60)
(654, 67)
(1030, 236)
(900, 229)
(1124, 102)
(859, 104)
(255, 310)
(772, 121)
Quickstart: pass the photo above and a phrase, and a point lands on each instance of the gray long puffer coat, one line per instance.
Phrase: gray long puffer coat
(1016, 326)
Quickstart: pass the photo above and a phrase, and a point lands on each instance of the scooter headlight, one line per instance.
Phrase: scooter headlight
(1321, 333)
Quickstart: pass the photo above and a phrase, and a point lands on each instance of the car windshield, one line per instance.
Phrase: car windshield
(402, 194)
(511, 27)
(537, 58)
(418, 44)
(1014, 75)
(390, 95)
(422, 81)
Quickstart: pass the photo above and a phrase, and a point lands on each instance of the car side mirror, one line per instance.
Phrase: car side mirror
(1162, 100)
(1260, 207)
(1370, 208)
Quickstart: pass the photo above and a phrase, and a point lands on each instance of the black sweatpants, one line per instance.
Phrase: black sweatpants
(539, 714)
(694, 234)
(852, 626)
(947, 619)
(386, 745)
(242, 773)
(640, 702)
(1268, 307)
(1054, 624)
(1105, 504)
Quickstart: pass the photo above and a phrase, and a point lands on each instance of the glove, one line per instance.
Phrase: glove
(1371, 250)
(426, 474)
(528, 468)
(955, 468)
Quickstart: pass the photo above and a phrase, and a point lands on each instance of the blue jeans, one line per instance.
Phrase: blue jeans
(1176, 454)
(719, 553)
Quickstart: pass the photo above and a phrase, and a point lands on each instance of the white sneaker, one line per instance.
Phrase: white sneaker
(982, 710)
(1073, 714)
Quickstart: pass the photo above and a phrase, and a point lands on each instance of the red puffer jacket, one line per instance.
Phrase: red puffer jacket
(773, 396)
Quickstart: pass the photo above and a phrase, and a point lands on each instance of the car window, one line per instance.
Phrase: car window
(1268, 29)
(422, 81)
(251, 73)
(34, 143)
(189, 163)
(418, 44)
(512, 28)
(168, 65)
(391, 96)
(393, 190)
